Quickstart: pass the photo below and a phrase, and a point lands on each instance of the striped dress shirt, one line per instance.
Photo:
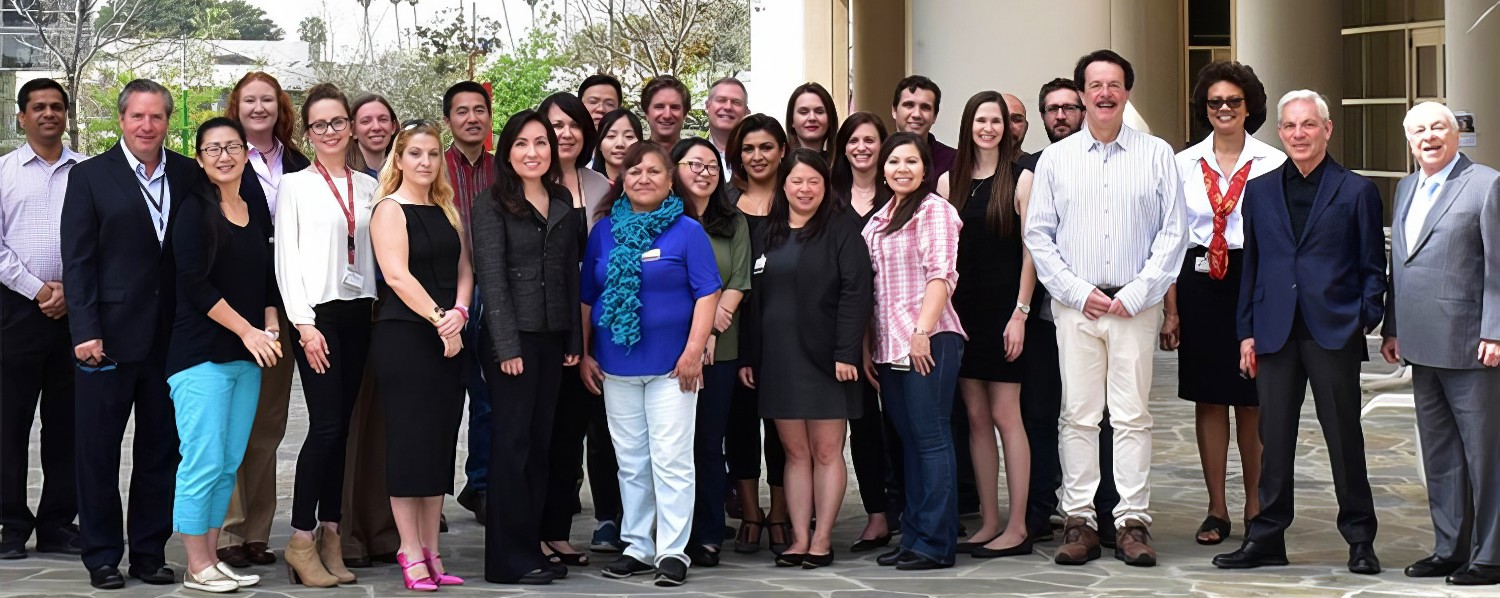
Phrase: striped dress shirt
(31, 201)
(468, 178)
(1107, 215)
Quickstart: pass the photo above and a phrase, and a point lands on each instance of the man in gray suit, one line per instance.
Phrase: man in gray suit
(1445, 294)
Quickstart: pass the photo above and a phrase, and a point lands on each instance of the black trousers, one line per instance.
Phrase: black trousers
(876, 452)
(522, 422)
(1282, 385)
(742, 440)
(318, 486)
(577, 410)
(36, 367)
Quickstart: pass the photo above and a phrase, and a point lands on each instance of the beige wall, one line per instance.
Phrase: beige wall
(880, 53)
(1306, 52)
(1473, 79)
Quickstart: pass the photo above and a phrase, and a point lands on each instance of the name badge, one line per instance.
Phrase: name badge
(354, 281)
(1200, 265)
(760, 265)
(651, 255)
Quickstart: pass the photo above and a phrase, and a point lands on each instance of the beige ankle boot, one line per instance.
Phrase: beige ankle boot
(331, 552)
(303, 565)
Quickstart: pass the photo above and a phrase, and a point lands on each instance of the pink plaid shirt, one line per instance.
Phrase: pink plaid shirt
(924, 250)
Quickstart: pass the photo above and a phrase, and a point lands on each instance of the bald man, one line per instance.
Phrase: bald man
(1018, 123)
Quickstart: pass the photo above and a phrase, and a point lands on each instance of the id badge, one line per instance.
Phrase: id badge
(353, 281)
(651, 255)
(1200, 264)
(760, 265)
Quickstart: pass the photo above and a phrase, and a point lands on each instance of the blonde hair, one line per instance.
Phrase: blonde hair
(441, 192)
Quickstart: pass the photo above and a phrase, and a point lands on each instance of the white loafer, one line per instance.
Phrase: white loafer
(244, 581)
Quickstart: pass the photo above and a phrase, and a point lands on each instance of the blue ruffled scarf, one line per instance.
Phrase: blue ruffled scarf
(634, 232)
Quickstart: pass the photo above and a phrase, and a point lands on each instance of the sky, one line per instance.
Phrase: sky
(345, 16)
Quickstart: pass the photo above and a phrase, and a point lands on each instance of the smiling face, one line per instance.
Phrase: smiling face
(617, 139)
(1104, 95)
(1304, 133)
(904, 169)
(45, 116)
(863, 147)
(258, 108)
(372, 126)
(531, 154)
(665, 114)
(804, 190)
(419, 160)
(760, 154)
(648, 183)
(143, 125)
(1432, 137)
(915, 111)
(569, 134)
(810, 120)
(698, 184)
(989, 126)
(600, 100)
(332, 142)
(225, 168)
(726, 107)
(1229, 117)
(469, 119)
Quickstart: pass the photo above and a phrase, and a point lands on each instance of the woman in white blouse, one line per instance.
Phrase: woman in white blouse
(1200, 308)
(326, 270)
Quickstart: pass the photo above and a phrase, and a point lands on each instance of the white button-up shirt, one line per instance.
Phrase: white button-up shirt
(154, 184)
(1429, 189)
(31, 200)
(1200, 211)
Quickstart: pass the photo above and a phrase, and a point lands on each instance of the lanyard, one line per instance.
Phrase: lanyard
(156, 205)
(349, 209)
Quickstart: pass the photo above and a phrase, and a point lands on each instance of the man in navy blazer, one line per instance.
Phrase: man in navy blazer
(118, 269)
(1314, 282)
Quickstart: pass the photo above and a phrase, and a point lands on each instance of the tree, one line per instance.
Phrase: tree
(71, 35)
(313, 31)
(202, 19)
(522, 77)
(639, 39)
(456, 46)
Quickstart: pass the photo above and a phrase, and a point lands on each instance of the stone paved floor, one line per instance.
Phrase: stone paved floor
(1179, 499)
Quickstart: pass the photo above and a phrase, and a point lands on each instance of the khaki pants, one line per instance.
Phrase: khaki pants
(252, 506)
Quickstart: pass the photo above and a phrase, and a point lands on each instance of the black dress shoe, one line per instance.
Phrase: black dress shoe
(987, 553)
(12, 549)
(1362, 559)
(920, 563)
(558, 570)
(106, 578)
(892, 558)
(968, 547)
(871, 544)
(1251, 555)
(790, 559)
(156, 576)
(1433, 566)
(813, 561)
(1476, 575)
(63, 540)
(537, 577)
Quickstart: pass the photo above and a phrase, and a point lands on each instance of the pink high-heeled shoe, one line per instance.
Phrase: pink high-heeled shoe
(443, 579)
(425, 584)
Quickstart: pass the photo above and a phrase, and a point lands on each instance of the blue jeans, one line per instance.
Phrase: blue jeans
(214, 405)
(477, 466)
(921, 408)
(708, 452)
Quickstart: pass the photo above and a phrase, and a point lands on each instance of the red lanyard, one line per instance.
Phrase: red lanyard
(349, 209)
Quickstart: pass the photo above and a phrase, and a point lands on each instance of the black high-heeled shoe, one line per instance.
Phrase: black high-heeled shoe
(813, 561)
(785, 527)
(746, 542)
(574, 559)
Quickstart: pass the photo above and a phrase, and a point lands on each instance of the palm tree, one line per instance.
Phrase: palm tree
(369, 48)
(396, 10)
(413, 4)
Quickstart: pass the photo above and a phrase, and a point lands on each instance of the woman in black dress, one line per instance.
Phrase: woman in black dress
(810, 309)
(993, 300)
(423, 297)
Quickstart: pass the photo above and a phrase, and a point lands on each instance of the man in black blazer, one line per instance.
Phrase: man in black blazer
(1314, 281)
(118, 269)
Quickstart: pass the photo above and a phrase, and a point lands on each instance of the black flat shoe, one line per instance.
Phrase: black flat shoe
(1362, 559)
(106, 578)
(1433, 566)
(968, 547)
(813, 561)
(702, 556)
(1251, 555)
(157, 576)
(920, 563)
(537, 577)
(892, 558)
(790, 559)
(980, 552)
(1476, 575)
(1212, 525)
(12, 549)
(871, 544)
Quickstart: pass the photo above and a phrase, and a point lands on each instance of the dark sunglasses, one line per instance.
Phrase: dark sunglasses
(103, 365)
(1234, 103)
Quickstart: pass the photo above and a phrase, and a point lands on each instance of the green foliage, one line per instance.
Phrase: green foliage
(315, 32)
(523, 78)
(201, 19)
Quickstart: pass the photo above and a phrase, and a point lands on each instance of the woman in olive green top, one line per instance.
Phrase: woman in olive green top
(700, 183)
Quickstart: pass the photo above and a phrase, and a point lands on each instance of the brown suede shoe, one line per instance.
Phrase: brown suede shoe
(1134, 545)
(234, 556)
(1080, 543)
(259, 553)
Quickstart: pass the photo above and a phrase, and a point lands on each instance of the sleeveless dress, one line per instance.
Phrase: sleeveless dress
(989, 280)
(422, 391)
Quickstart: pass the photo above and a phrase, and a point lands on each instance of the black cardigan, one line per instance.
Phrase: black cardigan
(835, 277)
(527, 270)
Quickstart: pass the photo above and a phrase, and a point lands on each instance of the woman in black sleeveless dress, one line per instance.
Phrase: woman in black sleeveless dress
(423, 307)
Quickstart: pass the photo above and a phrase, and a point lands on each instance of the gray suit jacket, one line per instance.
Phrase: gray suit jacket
(1445, 293)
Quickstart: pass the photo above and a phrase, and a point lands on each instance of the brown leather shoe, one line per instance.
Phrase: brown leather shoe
(258, 553)
(234, 556)
(1134, 545)
(1080, 543)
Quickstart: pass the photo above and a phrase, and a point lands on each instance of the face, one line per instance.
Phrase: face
(600, 100)
(989, 126)
(617, 139)
(1018, 123)
(915, 111)
(569, 134)
(531, 154)
(469, 119)
(419, 160)
(143, 125)
(335, 138)
(904, 170)
(373, 127)
(810, 120)
(647, 184)
(804, 190)
(760, 154)
(726, 107)
(863, 147)
(1304, 134)
(1433, 140)
(222, 155)
(1226, 108)
(258, 108)
(1104, 94)
(45, 116)
(665, 114)
(699, 171)
(1062, 113)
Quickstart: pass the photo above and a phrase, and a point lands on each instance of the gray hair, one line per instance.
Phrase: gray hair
(1304, 94)
(1417, 110)
(143, 86)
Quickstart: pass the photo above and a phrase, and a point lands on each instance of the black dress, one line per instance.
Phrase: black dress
(792, 386)
(422, 391)
(989, 280)
(1208, 366)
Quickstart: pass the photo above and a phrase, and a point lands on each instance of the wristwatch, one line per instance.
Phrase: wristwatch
(1025, 309)
(437, 314)
(918, 330)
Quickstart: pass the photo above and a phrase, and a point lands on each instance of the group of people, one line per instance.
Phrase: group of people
(762, 293)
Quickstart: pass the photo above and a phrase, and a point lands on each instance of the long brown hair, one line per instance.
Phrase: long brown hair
(830, 110)
(1002, 188)
(286, 116)
(391, 177)
(908, 207)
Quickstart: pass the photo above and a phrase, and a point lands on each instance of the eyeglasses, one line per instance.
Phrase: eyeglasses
(698, 167)
(214, 151)
(1062, 108)
(1234, 103)
(322, 127)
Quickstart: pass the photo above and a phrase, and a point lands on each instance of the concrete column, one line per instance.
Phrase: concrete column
(880, 36)
(1294, 44)
(1472, 75)
(1149, 33)
(826, 58)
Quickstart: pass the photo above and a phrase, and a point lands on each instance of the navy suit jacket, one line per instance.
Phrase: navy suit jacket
(1335, 273)
(119, 279)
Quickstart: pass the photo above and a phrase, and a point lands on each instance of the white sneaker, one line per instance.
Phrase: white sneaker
(244, 581)
(210, 579)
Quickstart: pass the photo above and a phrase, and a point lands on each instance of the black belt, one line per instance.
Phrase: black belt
(1110, 291)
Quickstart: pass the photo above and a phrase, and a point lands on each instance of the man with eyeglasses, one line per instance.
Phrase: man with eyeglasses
(118, 271)
(36, 361)
(600, 94)
(1060, 104)
(727, 105)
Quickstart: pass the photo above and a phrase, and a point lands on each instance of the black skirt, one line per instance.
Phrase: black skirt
(423, 396)
(1208, 366)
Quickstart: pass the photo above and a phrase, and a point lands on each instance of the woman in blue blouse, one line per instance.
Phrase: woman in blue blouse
(650, 287)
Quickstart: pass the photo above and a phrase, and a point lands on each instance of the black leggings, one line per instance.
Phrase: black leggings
(876, 452)
(318, 487)
(577, 410)
(742, 440)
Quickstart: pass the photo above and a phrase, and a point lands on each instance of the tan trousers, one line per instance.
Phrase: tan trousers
(252, 506)
(368, 527)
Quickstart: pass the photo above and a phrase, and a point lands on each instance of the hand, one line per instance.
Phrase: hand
(1015, 338)
(593, 377)
(451, 324)
(452, 345)
(315, 346)
(921, 354)
(1489, 353)
(844, 372)
(90, 351)
(50, 300)
(1117, 309)
(512, 366)
(1391, 350)
(1247, 357)
(747, 377)
(260, 344)
(1096, 305)
(708, 350)
(869, 366)
(1169, 338)
(570, 361)
(689, 371)
(723, 318)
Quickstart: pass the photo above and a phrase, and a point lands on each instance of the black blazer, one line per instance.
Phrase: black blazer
(120, 280)
(250, 189)
(527, 270)
(836, 280)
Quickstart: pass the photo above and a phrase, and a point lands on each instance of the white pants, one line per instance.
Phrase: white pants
(651, 423)
(1106, 362)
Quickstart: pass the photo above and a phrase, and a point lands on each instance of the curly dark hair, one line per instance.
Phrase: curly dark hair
(1241, 76)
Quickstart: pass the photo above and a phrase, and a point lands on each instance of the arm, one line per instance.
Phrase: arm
(944, 185)
(856, 298)
(388, 235)
(1041, 238)
(588, 291)
(13, 273)
(1165, 261)
(1371, 256)
(1489, 234)
(1015, 328)
(737, 280)
(80, 247)
(703, 282)
(1249, 267)
(576, 343)
(491, 242)
(299, 308)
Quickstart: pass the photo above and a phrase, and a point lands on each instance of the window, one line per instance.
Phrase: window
(1209, 25)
